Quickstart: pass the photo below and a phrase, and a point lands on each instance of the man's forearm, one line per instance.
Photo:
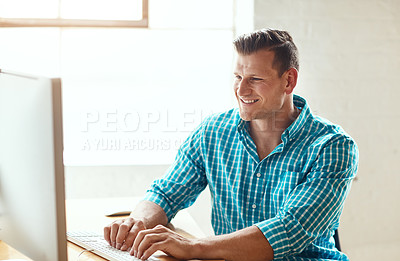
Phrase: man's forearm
(246, 244)
(150, 213)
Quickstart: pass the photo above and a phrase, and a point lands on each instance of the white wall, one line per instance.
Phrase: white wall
(349, 64)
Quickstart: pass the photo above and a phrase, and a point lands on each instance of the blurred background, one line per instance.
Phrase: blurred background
(144, 73)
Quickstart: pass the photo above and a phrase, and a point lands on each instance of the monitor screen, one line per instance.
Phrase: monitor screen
(32, 197)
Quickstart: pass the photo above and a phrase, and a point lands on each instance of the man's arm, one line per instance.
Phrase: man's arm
(246, 244)
(177, 189)
(309, 210)
(122, 233)
(312, 209)
(145, 233)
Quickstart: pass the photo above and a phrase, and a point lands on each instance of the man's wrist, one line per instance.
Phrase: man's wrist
(199, 248)
(150, 214)
(246, 244)
(206, 248)
(140, 219)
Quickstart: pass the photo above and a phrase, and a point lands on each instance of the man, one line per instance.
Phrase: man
(278, 175)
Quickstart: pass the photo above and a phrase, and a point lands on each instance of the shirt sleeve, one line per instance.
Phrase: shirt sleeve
(184, 180)
(315, 205)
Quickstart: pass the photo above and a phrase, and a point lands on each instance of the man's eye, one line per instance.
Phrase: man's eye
(238, 77)
(256, 79)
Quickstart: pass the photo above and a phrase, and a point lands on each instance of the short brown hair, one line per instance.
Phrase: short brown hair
(280, 42)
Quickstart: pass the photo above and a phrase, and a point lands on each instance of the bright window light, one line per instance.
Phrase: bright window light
(29, 8)
(74, 13)
(102, 9)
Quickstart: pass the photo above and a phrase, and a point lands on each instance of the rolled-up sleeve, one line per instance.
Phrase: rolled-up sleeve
(314, 205)
(183, 181)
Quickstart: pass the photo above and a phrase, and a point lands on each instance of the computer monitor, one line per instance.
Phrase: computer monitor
(32, 197)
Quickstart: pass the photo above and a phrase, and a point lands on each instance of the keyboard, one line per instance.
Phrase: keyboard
(96, 244)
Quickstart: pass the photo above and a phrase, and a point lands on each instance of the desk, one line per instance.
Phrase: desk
(7, 252)
(88, 214)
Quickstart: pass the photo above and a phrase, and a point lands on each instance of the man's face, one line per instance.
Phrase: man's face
(259, 90)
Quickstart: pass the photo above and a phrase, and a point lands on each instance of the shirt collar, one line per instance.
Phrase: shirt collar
(294, 129)
(242, 125)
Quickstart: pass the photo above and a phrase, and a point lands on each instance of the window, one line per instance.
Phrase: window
(132, 95)
(74, 13)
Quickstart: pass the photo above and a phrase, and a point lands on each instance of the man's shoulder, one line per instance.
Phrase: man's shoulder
(314, 127)
(326, 131)
(327, 127)
(316, 130)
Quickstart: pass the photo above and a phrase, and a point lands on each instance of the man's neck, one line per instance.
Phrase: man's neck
(266, 133)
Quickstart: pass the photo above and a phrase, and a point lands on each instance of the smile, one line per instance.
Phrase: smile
(248, 101)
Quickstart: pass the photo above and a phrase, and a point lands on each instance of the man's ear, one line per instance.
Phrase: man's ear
(291, 80)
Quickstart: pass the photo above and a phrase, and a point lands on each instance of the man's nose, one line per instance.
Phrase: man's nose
(243, 88)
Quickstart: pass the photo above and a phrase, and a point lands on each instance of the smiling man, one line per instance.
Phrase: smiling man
(277, 174)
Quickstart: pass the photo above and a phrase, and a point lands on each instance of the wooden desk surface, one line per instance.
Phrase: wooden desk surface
(7, 252)
(88, 214)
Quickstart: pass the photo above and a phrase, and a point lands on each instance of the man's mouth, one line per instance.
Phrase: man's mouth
(249, 101)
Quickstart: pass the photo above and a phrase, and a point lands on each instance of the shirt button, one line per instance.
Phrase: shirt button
(258, 175)
(254, 206)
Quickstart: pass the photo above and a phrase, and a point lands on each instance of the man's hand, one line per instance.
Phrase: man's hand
(122, 233)
(246, 244)
(148, 241)
(131, 235)
(142, 235)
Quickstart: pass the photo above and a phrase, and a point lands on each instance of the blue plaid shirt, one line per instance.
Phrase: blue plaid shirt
(295, 195)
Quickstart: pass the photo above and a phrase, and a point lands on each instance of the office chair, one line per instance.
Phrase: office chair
(337, 242)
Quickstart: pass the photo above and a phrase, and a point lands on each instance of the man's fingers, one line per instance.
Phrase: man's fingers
(123, 230)
(107, 231)
(147, 241)
(151, 250)
(138, 226)
(145, 238)
(114, 232)
(122, 233)
(138, 239)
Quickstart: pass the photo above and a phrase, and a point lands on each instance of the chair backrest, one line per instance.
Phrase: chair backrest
(337, 242)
